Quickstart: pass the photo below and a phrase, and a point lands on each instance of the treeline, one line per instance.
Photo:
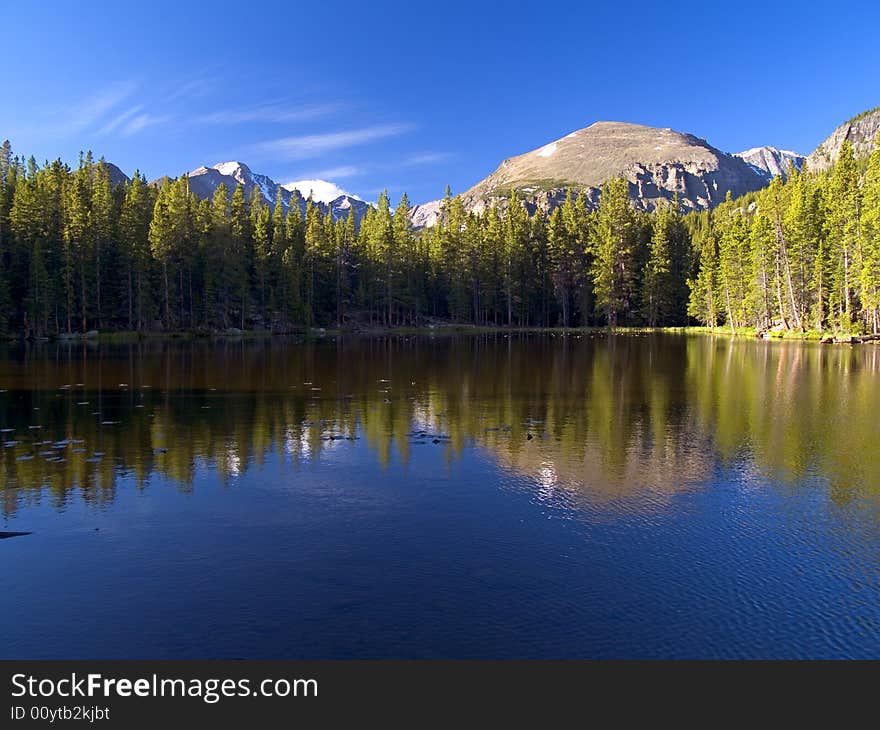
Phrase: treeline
(804, 255)
(78, 253)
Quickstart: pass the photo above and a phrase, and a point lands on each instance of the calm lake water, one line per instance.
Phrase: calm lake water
(451, 496)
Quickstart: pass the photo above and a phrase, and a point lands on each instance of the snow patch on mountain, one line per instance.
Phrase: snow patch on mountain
(231, 168)
(328, 197)
(769, 162)
(321, 191)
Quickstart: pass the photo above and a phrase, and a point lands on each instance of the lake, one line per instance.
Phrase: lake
(449, 496)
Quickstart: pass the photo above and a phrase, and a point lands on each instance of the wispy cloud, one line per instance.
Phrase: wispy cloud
(107, 113)
(315, 145)
(119, 120)
(196, 88)
(275, 113)
(141, 122)
(428, 158)
(91, 110)
(334, 173)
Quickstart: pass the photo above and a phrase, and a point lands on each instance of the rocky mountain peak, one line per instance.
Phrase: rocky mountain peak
(204, 181)
(233, 168)
(770, 161)
(659, 164)
(861, 131)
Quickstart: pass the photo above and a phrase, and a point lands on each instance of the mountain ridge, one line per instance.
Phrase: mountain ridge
(205, 180)
(860, 131)
(659, 164)
(769, 161)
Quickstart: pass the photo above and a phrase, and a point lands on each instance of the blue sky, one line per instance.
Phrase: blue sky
(411, 95)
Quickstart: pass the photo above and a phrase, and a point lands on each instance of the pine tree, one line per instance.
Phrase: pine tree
(137, 210)
(703, 303)
(102, 217)
(657, 287)
(869, 276)
(843, 209)
(239, 256)
(404, 245)
(612, 248)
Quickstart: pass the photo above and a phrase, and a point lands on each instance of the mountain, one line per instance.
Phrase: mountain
(427, 214)
(331, 196)
(770, 161)
(320, 190)
(861, 131)
(203, 181)
(658, 163)
(117, 176)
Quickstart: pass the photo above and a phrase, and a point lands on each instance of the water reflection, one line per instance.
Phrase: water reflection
(637, 418)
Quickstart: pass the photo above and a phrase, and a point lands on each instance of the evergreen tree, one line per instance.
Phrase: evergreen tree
(612, 248)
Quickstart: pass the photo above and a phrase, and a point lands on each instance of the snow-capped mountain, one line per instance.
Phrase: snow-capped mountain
(204, 181)
(321, 191)
(770, 161)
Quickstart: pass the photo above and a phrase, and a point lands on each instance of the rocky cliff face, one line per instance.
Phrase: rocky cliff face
(769, 162)
(861, 131)
(659, 165)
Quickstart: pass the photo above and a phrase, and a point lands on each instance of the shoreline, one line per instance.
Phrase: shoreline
(121, 336)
